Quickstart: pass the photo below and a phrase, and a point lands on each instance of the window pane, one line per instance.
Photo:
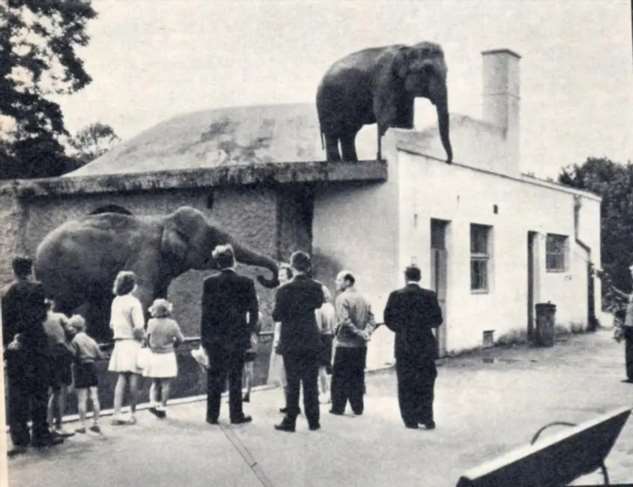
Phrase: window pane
(479, 274)
(478, 239)
(556, 252)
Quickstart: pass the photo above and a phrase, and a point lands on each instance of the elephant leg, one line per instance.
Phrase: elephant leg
(331, 148)
(380, 131)
(348, 147)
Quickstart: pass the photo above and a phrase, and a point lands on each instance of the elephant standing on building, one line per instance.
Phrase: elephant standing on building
(378, 85)
(78, 261)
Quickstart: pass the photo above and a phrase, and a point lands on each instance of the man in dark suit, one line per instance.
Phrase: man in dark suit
(412, 313)
(27, 359)
(229, 318)
(300, 342)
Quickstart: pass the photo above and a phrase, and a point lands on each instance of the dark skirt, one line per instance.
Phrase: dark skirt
(325, 353)
(85, 375)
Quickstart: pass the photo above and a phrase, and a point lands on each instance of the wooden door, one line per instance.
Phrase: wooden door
(439, 276)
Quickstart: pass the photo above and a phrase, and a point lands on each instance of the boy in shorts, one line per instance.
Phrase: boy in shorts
(87, 351)
(61, 356)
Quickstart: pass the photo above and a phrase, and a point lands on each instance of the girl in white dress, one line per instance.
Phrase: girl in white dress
(163, 334)
(127, 322)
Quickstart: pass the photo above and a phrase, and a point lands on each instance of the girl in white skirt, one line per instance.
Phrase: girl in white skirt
(127, 322)
(163, 335)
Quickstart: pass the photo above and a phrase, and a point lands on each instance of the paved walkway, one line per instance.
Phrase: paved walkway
(486, 404)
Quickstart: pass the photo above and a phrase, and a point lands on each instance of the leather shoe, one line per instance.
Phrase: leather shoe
(429, 425)
(411, 426)
(242, 420)
(337, 413)
(212, 421)
(285, 427)
(314, 427)
(16, 450)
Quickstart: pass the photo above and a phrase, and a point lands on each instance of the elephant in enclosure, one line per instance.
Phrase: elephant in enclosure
(78, 261)
(378, 85)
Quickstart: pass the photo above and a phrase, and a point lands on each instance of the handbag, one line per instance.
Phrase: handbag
(200, 356)
(143, 358)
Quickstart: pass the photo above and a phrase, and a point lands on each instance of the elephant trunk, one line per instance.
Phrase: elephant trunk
(441, 106)
(247, 256)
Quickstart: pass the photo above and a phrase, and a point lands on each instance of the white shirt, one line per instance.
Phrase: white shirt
(125, 315)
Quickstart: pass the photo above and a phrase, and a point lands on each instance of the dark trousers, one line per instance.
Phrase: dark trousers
(302, 368)
(348, 379)
(416, 379)
(628, 352)
(28, 380)
(224, 364)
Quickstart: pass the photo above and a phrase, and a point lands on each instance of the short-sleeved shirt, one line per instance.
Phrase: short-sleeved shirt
(85, 348)
(54, 326)
(163, 333)
(125, 315)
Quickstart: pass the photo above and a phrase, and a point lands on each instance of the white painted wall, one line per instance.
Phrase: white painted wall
(463, 195)
(356, 228)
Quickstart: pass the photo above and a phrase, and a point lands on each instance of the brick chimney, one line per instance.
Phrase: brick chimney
(501, 95)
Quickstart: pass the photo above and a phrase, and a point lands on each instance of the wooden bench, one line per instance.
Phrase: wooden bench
(556, 460)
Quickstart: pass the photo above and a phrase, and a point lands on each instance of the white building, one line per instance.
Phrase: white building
(490, 240)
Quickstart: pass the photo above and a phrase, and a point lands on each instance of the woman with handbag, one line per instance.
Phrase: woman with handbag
(127, 322)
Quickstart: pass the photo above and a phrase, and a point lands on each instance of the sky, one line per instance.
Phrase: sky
(151, 60)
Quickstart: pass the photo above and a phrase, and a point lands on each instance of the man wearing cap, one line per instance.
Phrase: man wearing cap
(229, 318)
(412, 313)
(300, 342)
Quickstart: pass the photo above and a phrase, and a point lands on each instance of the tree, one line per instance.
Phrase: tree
(93, 141)
(614, 183)
(38, 39)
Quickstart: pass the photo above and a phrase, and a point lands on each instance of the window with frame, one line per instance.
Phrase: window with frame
(480, 257)
(556, 248)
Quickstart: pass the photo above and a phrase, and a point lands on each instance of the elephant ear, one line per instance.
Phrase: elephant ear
(400, 62)
(389, 86)
(174, 244)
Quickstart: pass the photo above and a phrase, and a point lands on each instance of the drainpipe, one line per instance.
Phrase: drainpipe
(592, 321)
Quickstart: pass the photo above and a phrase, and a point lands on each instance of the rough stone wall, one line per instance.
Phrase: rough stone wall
(248, 214)
(12, 218)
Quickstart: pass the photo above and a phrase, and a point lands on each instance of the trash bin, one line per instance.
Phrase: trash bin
(545, 321)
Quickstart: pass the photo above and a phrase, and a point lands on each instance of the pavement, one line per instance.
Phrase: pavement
(487, 403)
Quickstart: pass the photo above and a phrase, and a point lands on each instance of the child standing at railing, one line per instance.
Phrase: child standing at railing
(86, 383)
(163, 334)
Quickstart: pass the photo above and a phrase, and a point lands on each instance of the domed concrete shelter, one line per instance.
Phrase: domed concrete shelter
(492, 241)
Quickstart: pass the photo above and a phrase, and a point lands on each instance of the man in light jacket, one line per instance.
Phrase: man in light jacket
(355, 323)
